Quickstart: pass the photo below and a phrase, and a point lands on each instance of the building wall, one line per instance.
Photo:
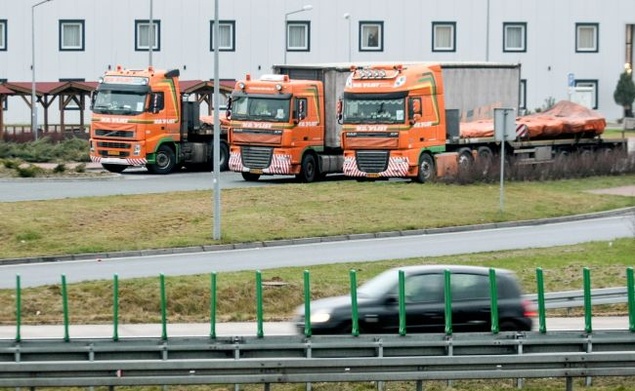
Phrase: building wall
(260, 39)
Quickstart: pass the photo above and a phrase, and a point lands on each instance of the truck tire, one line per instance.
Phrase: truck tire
(249, 177)
(466, 159)
(224, 156)
(116, 168)
(426, 170)
(165, 161)
(309, 170)
(485, 158)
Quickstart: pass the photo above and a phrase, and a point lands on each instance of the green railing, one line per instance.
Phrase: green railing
(355, 329)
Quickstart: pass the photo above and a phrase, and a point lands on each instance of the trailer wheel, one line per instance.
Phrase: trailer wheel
(465, 158)
(249, 177)
(116, 168)
(165, 161)
(426, 170)
(486, 158)
(309, 170)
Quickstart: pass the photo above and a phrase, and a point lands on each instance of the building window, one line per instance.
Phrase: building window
(3, 34)
(444, 36)
(586, 37)
(515, 37)
(371, 36)
(227, 36)
(5, 101)
(522, 92)
(71, 35)
(142, 35)
(586, 93)
(298, 36)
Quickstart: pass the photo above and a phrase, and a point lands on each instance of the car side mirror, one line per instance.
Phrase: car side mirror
(391, 300)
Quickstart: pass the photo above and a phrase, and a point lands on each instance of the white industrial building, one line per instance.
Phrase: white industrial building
(560, 43)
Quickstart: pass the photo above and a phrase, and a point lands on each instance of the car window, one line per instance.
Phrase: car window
(424, 288)
(469, 287)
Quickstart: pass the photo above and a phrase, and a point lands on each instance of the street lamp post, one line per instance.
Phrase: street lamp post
(33, 103)
(347, 16)
(307, 7)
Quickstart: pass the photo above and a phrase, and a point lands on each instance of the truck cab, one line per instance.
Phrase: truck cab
(276, 127)
(393, 121)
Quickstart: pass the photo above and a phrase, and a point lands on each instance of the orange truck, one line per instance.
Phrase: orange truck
(284, 126)
(423, 120)
(141, 118)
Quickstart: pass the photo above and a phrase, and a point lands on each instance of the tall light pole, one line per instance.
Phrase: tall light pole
(33, 103)
(150, 37)
(347, 16)
(307, 7)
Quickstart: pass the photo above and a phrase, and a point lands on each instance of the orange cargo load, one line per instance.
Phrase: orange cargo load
(562, 119)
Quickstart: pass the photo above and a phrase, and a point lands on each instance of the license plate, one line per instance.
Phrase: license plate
(255, 171)
(372, 175)
(113, 153)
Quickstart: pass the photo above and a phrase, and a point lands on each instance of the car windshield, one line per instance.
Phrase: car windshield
(260, 109)
(359, 111)
(119, 102)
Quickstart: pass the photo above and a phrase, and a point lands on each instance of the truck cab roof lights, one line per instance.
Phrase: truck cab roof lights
(241, 85)
(282, 78)
(248, 77)
(278, 87)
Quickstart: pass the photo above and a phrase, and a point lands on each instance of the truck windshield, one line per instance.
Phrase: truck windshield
(385, 111)
(260, 109)
(119, 102)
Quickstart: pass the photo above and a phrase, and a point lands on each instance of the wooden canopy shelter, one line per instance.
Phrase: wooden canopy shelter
(75, 95)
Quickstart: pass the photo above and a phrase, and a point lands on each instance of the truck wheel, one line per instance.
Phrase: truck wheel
(426, 170)
(249, 177)
(485, 158)
(165, 161)
(309, 170)
(465, 158)
(116, 168)
(224, 156)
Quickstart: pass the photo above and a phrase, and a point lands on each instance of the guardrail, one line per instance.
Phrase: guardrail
(572, 299)
(297, 359)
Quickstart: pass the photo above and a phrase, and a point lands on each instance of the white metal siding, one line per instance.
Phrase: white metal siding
(259, 41)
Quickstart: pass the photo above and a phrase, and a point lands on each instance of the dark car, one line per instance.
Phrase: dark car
(378, 303)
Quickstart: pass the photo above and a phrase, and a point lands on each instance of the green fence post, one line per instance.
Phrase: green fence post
(493, 293)
(115, 307)
(164, 316)
(18, 308)
(354, 312)
(447, 295)
(307, 304)
(587, 301)
(402, 303)
(65, 308)
(259, 303)
(212, 306)
(542, 327)
(630, 282)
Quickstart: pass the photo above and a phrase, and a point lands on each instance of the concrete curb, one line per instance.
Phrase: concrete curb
(298, 241)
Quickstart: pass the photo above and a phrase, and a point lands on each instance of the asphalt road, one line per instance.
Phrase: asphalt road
(314, 252)
(243, 328)
(131, 181)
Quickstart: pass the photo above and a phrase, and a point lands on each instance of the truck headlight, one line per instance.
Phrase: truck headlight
(137, 150)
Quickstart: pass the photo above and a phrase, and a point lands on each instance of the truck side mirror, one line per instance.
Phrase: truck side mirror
(301, 109)
(157, 103)
(228, 110)
(414, 110)
(339, 111)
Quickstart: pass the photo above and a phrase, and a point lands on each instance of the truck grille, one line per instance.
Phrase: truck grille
(104, 144)
(114, 133)
(372, 161)
(256, 157)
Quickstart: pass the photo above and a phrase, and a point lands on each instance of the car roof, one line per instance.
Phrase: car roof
(416, 269)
